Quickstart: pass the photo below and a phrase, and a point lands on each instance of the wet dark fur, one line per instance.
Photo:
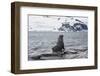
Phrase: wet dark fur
(60, 45)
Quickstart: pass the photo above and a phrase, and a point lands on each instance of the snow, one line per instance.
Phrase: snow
(52, 23)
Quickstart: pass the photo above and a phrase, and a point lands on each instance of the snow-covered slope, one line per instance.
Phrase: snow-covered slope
(74, 25)
(58, 23)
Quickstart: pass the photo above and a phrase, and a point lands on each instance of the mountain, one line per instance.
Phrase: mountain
(74, 25)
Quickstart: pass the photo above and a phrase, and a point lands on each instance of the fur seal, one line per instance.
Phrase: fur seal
(59, 48)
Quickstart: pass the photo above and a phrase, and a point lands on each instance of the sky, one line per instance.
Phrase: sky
(50, 23)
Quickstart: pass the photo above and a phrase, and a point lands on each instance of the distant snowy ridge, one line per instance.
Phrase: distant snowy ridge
(58, 24)
(75, 25)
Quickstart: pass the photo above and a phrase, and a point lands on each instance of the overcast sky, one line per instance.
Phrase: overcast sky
(50, 23)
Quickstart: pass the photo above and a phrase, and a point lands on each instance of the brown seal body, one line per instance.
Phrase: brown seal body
(60, 45)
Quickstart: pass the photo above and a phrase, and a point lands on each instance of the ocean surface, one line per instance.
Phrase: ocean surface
(42, 43)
